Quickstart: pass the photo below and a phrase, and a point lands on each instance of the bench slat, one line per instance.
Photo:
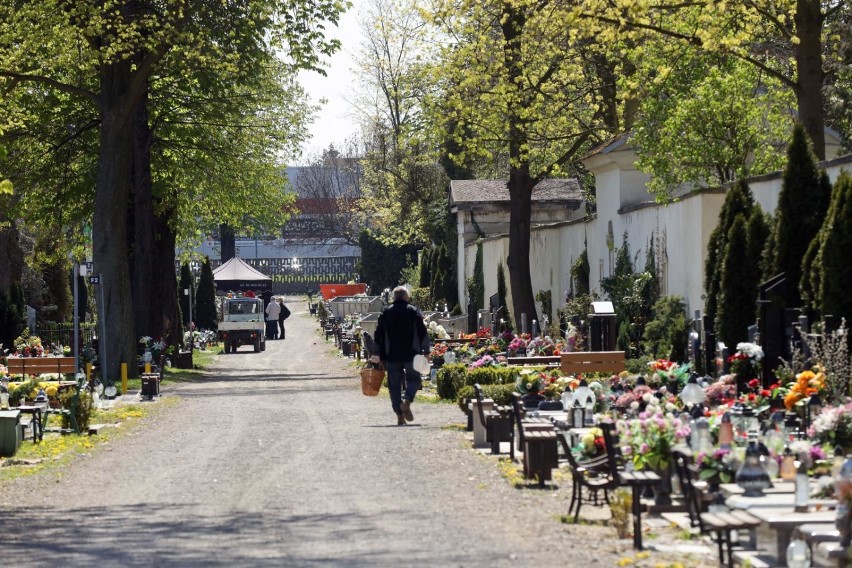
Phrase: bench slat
(592, 362)
(40, 365)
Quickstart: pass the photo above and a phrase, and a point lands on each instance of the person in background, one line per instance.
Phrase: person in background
(273, 310)
(284, 314)
(400, 335)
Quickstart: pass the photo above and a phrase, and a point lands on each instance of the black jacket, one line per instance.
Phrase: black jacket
(401, 333)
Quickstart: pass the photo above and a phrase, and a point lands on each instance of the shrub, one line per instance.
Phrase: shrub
(420, 297)
(83, 412)
(492, 376)
(450, 379)
(666, 336)
(639, 365)
(500, 394)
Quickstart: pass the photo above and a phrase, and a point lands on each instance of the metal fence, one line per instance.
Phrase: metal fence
(63, 333)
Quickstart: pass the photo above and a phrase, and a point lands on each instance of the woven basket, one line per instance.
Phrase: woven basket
(371, 380)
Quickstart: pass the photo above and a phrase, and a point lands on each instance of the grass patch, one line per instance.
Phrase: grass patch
(457, 427)
(56, 451)
(511, 472)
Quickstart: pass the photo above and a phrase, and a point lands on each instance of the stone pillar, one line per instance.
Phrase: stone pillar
(479, 432)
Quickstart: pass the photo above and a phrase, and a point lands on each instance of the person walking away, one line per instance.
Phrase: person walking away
(273, 310)
(284, 314)
(400, 335)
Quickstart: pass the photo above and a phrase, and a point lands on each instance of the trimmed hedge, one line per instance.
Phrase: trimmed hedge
(501, 394)
(451, 378)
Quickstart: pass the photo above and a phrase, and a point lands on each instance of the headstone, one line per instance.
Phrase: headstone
(772, 323)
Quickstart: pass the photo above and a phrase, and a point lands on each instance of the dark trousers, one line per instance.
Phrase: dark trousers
(281, 325)
(271, 329)
(398, 373)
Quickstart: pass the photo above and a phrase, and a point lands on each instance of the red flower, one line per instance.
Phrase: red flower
(765, 393)
(753, 384)
(751, 397)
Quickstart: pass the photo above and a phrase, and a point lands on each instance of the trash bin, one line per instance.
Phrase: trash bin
(11, 433)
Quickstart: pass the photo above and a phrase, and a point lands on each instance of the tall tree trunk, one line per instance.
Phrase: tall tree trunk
(109, 227)
(143, 271)
(164, 287)
(810, 72)
(11, 255)
(228, 243)
(520, 182)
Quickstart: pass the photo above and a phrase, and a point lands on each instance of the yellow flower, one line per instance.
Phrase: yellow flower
(51, 391)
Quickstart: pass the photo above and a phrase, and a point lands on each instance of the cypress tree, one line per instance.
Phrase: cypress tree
(183, 299)
(477, 289)
(580, 272)
(801, 210)
(736, 297)
(205, 303)
(738, 201)
(425, 267)
(834, 271)
(502, 296)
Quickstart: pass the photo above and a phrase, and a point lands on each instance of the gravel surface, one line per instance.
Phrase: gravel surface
(277, 459)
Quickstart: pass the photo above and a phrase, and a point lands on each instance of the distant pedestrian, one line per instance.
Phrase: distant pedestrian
(273, 310)
(400, 335)
(284, 314)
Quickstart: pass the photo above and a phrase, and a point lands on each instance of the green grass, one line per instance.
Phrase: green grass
(200, 359)
(56, 451)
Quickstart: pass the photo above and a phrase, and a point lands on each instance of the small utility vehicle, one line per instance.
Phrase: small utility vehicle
(242, 322)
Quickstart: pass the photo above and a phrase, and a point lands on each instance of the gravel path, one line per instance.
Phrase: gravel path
(276, 459)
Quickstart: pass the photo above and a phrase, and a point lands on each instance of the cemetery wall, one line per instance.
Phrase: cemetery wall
(681, 230)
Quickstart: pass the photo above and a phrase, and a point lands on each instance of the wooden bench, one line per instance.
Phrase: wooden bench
(592, 362)
(537, 439)
(40, 365)
(720, 524)
(592, 474)
(637, 481)
(497, 422)
(541, 360)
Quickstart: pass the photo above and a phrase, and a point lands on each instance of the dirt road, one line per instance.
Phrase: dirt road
(276, 459)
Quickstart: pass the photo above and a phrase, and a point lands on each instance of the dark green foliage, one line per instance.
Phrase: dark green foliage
(801, 210)
(205, 304)
(629, 293)
(500, 394)
(443, 284)
(12, 315)
(457, 310)
(738, 201)
(420, 297)
(767, 259)
(623, 341)
(56, 275)
(501, 297)
(667, 334)
(183, 299)
(476, 288)
(736, 307)
(652, 289)
(828, 268)
(545, 297)
(450, 378)
(381, 264)
(638, 365)
(757, 235)
(425, 267)
(580, 272)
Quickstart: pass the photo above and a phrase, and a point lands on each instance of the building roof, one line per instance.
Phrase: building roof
(470, 192)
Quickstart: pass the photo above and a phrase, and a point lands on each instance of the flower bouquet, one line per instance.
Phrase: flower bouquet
(807, 384)
(530, 382)
(649, 439)
(720, 466)
(833, 426)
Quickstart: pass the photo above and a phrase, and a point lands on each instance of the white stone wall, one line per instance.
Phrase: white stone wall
(681, 231)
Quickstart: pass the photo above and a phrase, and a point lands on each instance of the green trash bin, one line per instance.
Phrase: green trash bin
(11, 433)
